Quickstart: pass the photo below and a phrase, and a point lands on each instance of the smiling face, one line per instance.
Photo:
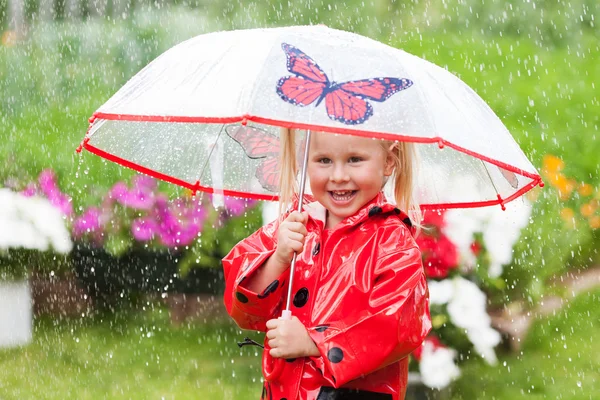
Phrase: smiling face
(346, 172)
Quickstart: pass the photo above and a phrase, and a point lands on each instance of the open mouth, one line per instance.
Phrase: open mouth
(342, 195)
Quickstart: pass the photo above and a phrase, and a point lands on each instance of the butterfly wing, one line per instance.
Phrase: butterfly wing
(298, 91)
(347, 108)
(376, 89)
(267, 174)
(300, 64)
(256, 142)
(511, 177)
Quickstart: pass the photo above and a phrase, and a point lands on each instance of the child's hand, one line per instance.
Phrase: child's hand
(288, 338)
(290, 236)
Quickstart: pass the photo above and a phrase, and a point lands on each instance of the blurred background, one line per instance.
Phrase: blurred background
(110, 282)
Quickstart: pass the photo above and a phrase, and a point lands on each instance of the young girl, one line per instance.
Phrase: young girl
(360, 299)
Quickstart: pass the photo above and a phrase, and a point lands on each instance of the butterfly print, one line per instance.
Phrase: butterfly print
(511, 177)
(345, 102)
(258, 144)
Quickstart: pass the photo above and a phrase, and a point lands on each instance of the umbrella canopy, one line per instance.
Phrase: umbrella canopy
(207, 115)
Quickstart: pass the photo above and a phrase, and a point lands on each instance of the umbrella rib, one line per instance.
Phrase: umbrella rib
(490, 176)
(210, 154)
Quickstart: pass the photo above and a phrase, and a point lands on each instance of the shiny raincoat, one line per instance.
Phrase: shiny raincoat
(360, 291)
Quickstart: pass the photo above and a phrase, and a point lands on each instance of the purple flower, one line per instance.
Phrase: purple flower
(237, 206)
(178, 223)
(30, 190)
(144, 182)
(140, 197)
(143, 229)
(47, 181)
(118, 190)
(89, 221)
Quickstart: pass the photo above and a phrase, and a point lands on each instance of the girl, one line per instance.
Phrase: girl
(360, 303)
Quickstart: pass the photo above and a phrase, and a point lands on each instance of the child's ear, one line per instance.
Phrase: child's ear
(390, 160)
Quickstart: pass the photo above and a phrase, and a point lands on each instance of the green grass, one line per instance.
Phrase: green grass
(143, 356)
(140, 357)
(559, 360)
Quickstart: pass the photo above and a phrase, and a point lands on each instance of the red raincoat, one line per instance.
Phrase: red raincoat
(360, 291)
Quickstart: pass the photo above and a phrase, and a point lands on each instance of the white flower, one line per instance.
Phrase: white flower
(31, 223)
(467, 310)
(437, 366)
(440, 292)
(500, 229)
(270, 211)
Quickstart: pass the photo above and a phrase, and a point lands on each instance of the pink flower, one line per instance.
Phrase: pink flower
(89, 224)
(140, 197)
(89, 221)
(144, 229)
(30, 190)
(236, 206)
(47, 181)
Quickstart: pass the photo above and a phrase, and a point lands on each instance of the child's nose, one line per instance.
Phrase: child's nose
(339, 174)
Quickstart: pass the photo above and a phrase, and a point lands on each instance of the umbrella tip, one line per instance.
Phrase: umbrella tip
(501, 203)
(541, 183)
(441, 143)
(83, 143)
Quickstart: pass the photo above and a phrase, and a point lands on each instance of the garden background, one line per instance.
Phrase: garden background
(534, 62)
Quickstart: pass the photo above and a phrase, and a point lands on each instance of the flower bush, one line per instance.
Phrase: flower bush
(137, 216)
(464, 252)
(580, 199)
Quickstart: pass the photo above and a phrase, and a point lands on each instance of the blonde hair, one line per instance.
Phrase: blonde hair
(288, 169)
(404, 156)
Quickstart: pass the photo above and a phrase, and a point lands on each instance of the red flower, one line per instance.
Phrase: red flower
(476, 248)
(429, 339)
(439, 255)
(434, 218)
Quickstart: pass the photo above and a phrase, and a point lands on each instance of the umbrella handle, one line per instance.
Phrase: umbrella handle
(272, 367)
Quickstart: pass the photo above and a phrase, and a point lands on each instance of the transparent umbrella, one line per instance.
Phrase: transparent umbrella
(207, 115)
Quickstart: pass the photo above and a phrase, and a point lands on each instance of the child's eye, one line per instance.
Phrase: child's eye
(324, 160)
(355, 159)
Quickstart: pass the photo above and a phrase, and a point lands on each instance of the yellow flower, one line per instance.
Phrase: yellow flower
(595, 222)
(567, 214)
(588, 209)
(552, 164)
(585, 189)
(9, 38)
(565, 186)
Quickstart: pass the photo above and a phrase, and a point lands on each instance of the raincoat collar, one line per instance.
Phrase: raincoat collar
(379, 205)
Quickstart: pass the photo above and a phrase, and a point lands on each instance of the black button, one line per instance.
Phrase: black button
(269, 289)
(241, 297)
(335, 355)
(301, 297)
(375, 210)
(407, 222)
(316, 249)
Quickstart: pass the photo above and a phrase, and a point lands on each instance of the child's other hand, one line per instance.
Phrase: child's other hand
(288, 338)
(290, 236)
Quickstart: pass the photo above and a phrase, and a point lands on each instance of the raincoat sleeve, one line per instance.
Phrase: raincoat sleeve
(393, 323)
(248, 309)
